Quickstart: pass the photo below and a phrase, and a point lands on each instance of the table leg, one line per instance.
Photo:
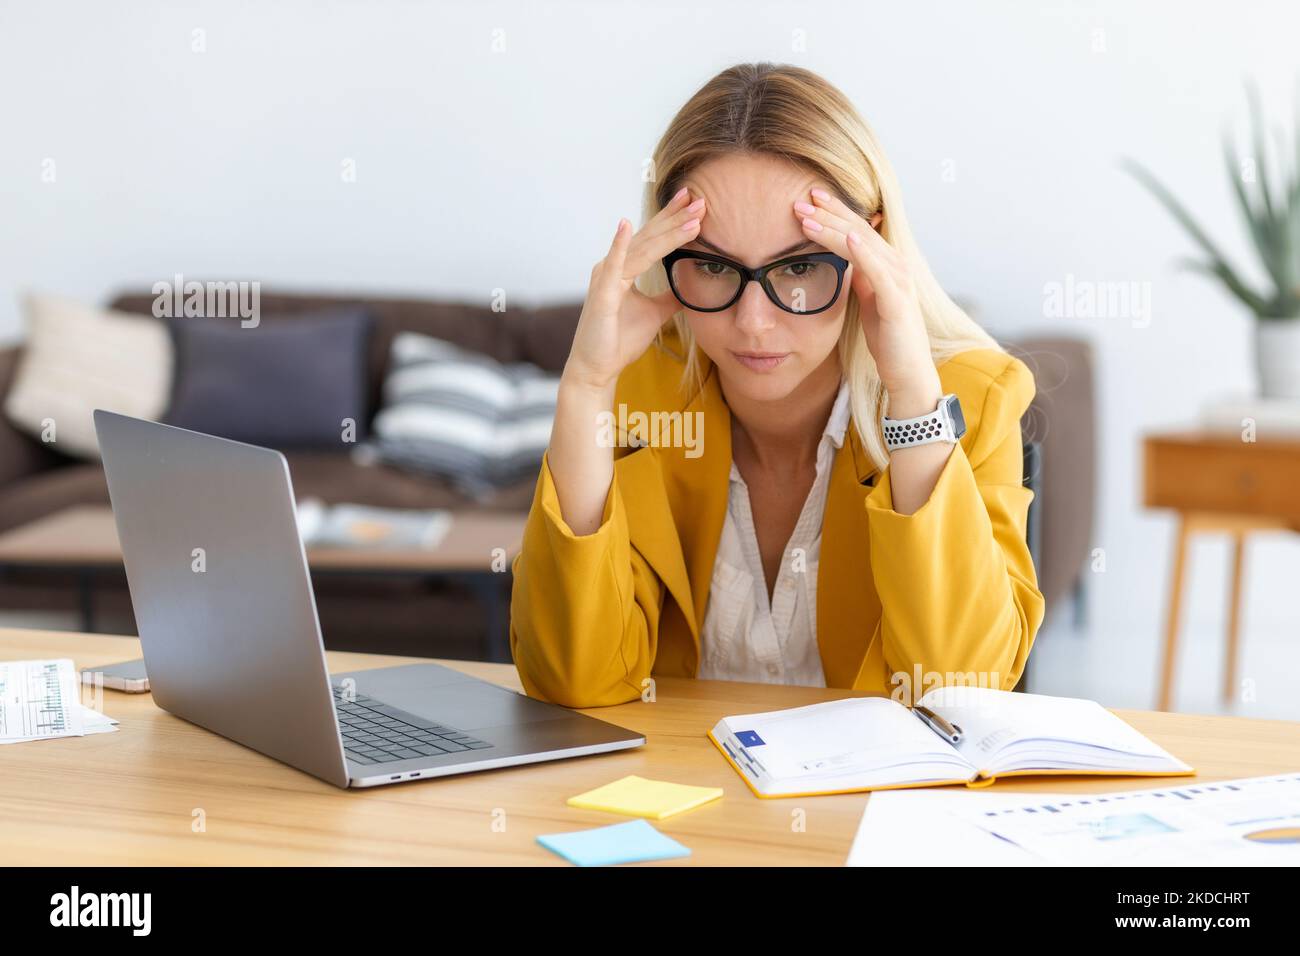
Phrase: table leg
(493, 593)
(1174, 613)
(86, 599)
(1234, 618)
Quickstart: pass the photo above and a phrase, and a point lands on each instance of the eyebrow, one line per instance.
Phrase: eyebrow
(797, 247)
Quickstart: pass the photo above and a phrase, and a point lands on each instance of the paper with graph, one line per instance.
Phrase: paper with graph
(1248, 822)
(40, 700)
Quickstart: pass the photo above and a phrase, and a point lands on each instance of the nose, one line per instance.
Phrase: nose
(755, 312)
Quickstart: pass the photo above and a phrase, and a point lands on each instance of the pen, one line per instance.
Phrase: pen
(949, 732)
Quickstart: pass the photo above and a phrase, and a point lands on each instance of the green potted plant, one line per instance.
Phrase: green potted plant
(1272, 213)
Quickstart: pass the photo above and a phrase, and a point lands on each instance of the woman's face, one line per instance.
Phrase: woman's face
(762, 352)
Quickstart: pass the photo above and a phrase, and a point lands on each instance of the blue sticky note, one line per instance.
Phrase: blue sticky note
(621, 843)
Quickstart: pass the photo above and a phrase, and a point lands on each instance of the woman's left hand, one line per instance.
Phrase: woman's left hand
(890, 312)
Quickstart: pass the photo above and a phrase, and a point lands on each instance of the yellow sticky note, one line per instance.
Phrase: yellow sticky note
(638, 797)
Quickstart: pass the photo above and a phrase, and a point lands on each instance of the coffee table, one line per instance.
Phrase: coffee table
(82, 540)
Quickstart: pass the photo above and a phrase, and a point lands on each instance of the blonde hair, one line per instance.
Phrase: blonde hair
(794, 114)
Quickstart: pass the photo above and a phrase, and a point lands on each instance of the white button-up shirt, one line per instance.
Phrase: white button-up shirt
(746, 637)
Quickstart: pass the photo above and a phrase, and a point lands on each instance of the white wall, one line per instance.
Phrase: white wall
(479, 169)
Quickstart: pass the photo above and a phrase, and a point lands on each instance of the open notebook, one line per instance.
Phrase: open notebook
(876, 743)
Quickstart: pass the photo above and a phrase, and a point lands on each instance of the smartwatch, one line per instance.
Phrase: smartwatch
(945, 423)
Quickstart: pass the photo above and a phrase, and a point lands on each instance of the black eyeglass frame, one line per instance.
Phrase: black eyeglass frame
(758, 275)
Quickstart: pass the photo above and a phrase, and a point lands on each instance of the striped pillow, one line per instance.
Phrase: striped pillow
(463, 416)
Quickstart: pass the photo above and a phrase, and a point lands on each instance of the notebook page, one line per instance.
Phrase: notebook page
(1003, 730)
(839, 737)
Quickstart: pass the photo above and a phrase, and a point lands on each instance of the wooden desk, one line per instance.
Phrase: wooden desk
(1218, 483)
(129, 797)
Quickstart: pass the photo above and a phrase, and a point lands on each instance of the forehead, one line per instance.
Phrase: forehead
(750, 198)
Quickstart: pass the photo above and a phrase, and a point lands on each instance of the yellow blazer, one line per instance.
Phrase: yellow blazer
(904, 602)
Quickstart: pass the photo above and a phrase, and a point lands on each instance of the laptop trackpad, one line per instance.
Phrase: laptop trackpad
(465, 703)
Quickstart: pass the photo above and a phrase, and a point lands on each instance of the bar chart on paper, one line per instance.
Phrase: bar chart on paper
(39, 700)
(1250, 822)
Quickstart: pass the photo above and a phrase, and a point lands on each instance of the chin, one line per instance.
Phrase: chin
(766, 385)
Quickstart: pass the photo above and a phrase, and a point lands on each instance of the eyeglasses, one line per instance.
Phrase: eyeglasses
(804, 284)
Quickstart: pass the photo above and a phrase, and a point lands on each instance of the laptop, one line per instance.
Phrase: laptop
(227, 620)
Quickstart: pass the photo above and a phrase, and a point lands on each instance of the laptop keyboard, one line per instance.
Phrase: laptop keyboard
(374, 732)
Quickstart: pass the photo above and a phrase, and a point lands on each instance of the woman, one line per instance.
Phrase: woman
(754, 519)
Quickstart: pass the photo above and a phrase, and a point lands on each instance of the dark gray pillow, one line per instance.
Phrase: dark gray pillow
(286, 383)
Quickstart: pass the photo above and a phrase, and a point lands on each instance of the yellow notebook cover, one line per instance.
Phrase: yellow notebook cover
(638, 797)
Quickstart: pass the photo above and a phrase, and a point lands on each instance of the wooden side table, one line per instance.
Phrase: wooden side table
(1218, 483)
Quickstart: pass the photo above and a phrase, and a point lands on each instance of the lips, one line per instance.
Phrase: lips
(761, 361)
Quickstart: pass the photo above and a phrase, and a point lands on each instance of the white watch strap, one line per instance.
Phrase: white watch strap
(921, 430)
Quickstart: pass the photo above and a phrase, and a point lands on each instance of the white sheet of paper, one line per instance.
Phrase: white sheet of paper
(39, 700)
(1253, 821)
(919, 828)
(92, 722)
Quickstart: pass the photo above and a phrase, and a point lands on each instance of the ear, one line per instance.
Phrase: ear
(875, 220)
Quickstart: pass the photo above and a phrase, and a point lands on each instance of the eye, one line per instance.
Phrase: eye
(712, 270)
(800, 270)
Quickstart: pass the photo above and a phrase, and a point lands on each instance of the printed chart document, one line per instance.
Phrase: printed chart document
(924, 828)
(39, 700)
(1253, 821)
(873, 743)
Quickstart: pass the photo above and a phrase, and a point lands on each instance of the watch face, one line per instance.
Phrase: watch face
(958, 419)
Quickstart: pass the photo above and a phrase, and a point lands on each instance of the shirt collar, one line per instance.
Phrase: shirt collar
(838, 423)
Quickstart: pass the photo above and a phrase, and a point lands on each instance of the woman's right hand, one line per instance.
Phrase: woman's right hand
(618, 321)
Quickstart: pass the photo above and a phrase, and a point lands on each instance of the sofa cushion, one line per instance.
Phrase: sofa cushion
(462, 416)
(79, 358)
(517, 334)
(283, 385)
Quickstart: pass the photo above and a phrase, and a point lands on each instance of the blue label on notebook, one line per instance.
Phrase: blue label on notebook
(749, 738)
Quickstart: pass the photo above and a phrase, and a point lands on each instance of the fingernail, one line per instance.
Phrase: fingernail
(804, 208)
(681, 192)
(696, 206)
(821, 194)
(688, 226)
(854, 238)
(812, 224)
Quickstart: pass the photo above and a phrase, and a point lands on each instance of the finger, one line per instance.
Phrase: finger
(661, 220)
(826, 218)
(607, 276)
(832, 204)
(884, 263)
(850, 223)
(658, 227)
(618, 250)
(649, 249)
(872, 237)
(870, 273)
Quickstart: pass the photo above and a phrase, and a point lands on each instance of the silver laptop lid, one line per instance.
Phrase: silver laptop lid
(222, 595)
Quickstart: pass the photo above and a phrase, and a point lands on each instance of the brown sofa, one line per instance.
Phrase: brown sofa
(399, 615)
(390, 614)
